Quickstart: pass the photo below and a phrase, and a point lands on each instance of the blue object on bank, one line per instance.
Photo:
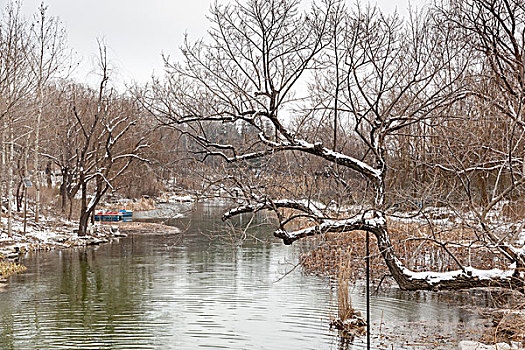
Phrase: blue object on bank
(121, 215)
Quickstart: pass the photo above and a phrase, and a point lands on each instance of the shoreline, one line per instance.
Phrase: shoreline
(158, 228)
(100, 234)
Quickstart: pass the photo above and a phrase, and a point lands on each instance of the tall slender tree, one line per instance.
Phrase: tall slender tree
(48, 59)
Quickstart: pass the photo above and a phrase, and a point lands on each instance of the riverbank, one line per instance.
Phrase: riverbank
(149, 289)
(162, 275)
(55, 236)
(52, 232)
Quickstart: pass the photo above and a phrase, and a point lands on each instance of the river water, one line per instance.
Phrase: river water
(187, 291)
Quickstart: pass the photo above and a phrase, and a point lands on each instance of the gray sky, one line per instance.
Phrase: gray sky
(137, 31)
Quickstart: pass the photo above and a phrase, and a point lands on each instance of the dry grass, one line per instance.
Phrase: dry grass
(348, 322)
(345, 310)
(413, 243)
(147, 228)
(507, 313)
(8, 268)
(327, 254)
(141, 204)
(509, 326)
(514, 210)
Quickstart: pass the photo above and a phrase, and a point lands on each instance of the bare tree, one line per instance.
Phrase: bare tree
(397, 74)
(100, 128)
(48, 59)
(15, 85)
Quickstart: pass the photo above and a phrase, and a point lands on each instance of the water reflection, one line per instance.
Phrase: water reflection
(186, 291)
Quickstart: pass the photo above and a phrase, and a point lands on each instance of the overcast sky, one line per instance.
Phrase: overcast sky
(138, 31)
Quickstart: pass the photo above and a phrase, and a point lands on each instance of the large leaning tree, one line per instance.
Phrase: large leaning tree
(332, 91)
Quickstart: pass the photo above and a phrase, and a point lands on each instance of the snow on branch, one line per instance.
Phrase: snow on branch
(362, 222)
(319, 150)
(339, 158)
(469, 273)
(489, 166)
(309, 207)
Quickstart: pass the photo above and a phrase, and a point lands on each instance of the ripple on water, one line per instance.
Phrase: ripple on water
(148, 293)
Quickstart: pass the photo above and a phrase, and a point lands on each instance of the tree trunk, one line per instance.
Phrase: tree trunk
(10, 180)
(49, 172)
(65, 184)
(465, 279)
(82, 224)
(2, 167)
(405, 278)
(87, 211)
(70, 214)
(63, 197)
(37, 151)
(19, 196)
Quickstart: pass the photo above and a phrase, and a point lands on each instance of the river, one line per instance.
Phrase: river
(187, 291)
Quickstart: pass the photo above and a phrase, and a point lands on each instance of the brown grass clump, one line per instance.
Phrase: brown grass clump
(147, 227)
(417, 246)
(508, 326)
(348, 321)
(139, 205)
(511, 326)
(344, 301)
(142, 204)
(514, 210)
(8, 268)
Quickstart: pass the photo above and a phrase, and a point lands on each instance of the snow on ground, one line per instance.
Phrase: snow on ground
(474, 345)
(53, 232)
(49, 233)
(179, 199)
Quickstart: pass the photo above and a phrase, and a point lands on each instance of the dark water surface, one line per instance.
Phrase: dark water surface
(157, 291)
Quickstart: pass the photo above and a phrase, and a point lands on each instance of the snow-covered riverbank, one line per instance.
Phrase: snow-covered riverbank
(56, 233)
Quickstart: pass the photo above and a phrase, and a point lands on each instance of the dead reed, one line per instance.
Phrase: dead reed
(415, 243)
(345, 310)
